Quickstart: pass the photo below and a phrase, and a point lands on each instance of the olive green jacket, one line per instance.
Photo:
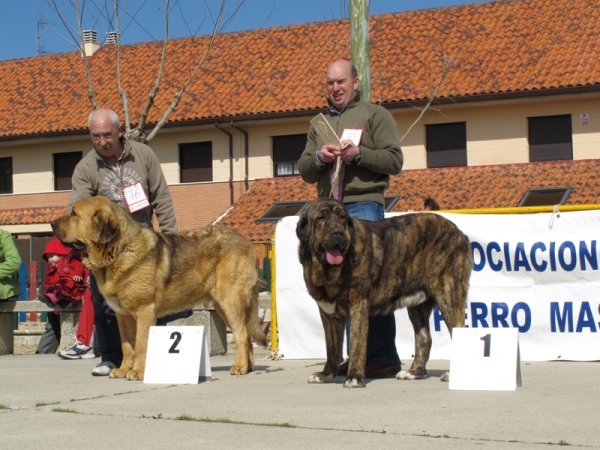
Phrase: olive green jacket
(10, 262)
(380, 153)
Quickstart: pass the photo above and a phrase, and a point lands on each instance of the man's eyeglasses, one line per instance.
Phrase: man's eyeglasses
(106, 136)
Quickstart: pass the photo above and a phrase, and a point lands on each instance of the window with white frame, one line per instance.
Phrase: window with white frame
(286, 153)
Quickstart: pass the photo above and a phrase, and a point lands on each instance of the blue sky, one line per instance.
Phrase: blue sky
(23, 36)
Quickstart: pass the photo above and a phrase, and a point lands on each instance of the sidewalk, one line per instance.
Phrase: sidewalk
(52, 403)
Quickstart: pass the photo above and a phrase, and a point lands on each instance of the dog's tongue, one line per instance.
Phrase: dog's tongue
(334, 257)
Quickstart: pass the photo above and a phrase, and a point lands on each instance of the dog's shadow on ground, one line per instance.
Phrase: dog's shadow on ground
(435, 374)
(226, 369)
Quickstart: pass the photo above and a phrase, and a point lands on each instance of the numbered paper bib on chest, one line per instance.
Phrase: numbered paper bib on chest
(352, 134)
(135, 197)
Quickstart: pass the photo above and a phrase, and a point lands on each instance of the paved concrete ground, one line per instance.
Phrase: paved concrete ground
(51, 403)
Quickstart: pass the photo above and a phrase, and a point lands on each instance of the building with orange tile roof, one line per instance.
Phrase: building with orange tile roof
(508, 64)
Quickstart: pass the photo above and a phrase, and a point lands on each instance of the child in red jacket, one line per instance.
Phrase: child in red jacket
(65, 283)
(65, 279)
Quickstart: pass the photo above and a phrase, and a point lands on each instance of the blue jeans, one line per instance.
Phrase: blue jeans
(381, 340)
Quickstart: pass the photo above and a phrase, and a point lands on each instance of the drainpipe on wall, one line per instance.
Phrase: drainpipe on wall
(246, 152)
(231, 196)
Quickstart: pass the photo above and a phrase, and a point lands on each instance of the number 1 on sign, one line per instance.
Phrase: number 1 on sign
(473, 369)
(487, 339)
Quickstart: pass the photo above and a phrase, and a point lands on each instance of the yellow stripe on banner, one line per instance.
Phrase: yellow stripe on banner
(523, 209)
(274, 333)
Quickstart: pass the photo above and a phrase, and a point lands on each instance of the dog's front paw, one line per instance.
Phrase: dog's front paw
(445, 377)
(355, 382)
(320, 377)
(135, 375)
(238, 369)
(118, 373)
(411, 375)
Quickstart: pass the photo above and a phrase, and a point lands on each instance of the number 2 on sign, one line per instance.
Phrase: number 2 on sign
(177, 336)
(487, 339)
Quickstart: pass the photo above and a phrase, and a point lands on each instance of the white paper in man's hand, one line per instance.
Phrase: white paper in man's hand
(325, 131)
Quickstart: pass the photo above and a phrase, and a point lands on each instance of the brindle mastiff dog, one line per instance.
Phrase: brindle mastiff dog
(144, 275)
(355, 268)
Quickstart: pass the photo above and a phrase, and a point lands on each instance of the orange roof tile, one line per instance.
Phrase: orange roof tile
(501, 47)
(29, 216)
(493, 186)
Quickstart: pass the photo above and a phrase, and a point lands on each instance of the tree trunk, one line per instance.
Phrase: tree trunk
(361, 47)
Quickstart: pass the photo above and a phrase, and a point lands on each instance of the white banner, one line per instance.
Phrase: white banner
(535, 272)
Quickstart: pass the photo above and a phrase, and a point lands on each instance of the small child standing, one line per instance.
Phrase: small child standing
(83, 347)
(65, 283)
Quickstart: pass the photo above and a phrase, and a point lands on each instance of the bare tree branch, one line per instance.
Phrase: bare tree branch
(100, 9)
(446, 66)
(138, 133)
(188, 21)
(83, 53)
(181, 91)
(70, 29)
(77, 41)
(133, 20)
(229, 16)
(122, 91)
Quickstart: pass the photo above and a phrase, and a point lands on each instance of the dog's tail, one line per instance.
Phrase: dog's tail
(256, 332)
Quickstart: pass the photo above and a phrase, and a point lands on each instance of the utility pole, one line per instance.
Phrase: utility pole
(360, 45)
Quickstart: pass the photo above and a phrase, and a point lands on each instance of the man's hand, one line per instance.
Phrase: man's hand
(329, 152)
(350, 152)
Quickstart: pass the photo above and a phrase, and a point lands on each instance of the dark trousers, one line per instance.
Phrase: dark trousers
(107, 334)
(381, 340)
(50, 339)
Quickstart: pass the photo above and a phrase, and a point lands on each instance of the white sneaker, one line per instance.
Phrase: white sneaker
(103, 369)
(77, 351)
